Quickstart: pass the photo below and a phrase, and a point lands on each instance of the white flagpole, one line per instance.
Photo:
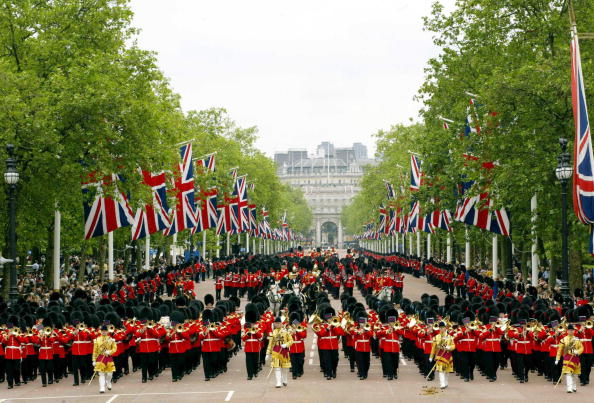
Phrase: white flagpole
(495, 259)
(428, 246)
(174, 250)
(247, 242)
(218, 249)
(57, 224)
(419, 244)
(534, 254)
(203, 245)
(228, 243)
(110, 275)
(147, 253)
(449, 248)
(467, 250)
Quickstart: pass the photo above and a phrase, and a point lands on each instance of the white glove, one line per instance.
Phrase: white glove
(430, 359)
(106, 354)
(94, 363)
(283, 346)
(267, 358)
(557, 362)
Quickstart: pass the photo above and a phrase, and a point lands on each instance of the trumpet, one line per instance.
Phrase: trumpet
(298, 328)
(111, 328)
(334, 321)
(81, 327)
(179, 327)
(47, 331)
(588, 324)
(150, 324)
(315, 319)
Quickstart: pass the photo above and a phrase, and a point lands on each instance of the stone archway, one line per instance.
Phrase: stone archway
(329, 231)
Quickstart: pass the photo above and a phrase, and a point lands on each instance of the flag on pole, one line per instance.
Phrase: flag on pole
(207, 164)
(415, 172)
(105, 214)
(583, 175)
(207, 214)
(184, 216)
(154, 216)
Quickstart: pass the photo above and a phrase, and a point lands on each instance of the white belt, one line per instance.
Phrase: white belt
(471, 340)
(259, 340)
(210, 340)
(496, 340)
(176, 341)
(12, 347)
(362, 341)
(141, 340)
(29, 344)
(554, 345)
(329, 337)
(590, 340)
(523, 341)
(297, 341)
(81, 341)
(391, 341)
(45, 348)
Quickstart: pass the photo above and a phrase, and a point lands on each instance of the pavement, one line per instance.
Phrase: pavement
(311, 387)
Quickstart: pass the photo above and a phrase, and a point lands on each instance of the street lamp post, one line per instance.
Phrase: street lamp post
(11, 177)
(563, 173)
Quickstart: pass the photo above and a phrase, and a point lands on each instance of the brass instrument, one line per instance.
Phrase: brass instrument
(179, 327)
(334, 321)
(315, 319)
(588, 324)
(212, 326)
(111, 328)
(377, 327)
(367, 326)
(298, 328)
(435, 326)
(150, 324)
(396, 326)
(47, 331)
(81, 327)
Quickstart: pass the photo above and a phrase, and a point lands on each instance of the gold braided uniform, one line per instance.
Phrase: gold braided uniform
(442, 348)
(102, 345)
(571, 348)
(280, 358)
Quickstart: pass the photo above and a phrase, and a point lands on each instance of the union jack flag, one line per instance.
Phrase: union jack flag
(253, 220)
(383, 217)
(441, 219)
(266, 231)
(207, 164)
(583, 177)
(207, 214)
(154, 217)
(413, 217)
(184, 216)
(472, 121)
(391, 229)
(390, 190)
(477, 211)
(426, 224)
(415, 172)
(240, 213)
(106, 214)
(224, 224)
(233, 172)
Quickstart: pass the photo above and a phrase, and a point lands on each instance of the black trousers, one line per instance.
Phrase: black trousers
(297, 361)
(177, 363)
(148, 364)
(13, 371)
(350, 352)
(209, 360)
(46, 370)
(251, 363)
(523, 363)
(467, 363)
(79, 368)
(2, 369)
(218, 294)
(586, 363)
(29, 367)
(491, 363)
(329, 359)
(362, 359)
(390, 361)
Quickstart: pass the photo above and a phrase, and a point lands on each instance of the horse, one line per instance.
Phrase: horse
(274, 298)
(385, 294)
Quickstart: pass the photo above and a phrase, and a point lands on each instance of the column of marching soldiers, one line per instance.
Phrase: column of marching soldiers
(157, 323)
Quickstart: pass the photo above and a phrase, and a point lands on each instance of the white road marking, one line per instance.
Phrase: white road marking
(114, 397)
(311, 361)
(118, 395)
(229, 395)
(403, 361)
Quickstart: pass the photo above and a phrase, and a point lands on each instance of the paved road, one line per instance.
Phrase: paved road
(312, 387)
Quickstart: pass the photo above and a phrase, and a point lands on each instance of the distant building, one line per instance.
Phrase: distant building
(329, 180)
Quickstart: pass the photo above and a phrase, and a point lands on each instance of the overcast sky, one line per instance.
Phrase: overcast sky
(301, 71)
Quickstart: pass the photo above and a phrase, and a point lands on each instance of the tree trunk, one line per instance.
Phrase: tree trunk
(575, 259)
(83, 265)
